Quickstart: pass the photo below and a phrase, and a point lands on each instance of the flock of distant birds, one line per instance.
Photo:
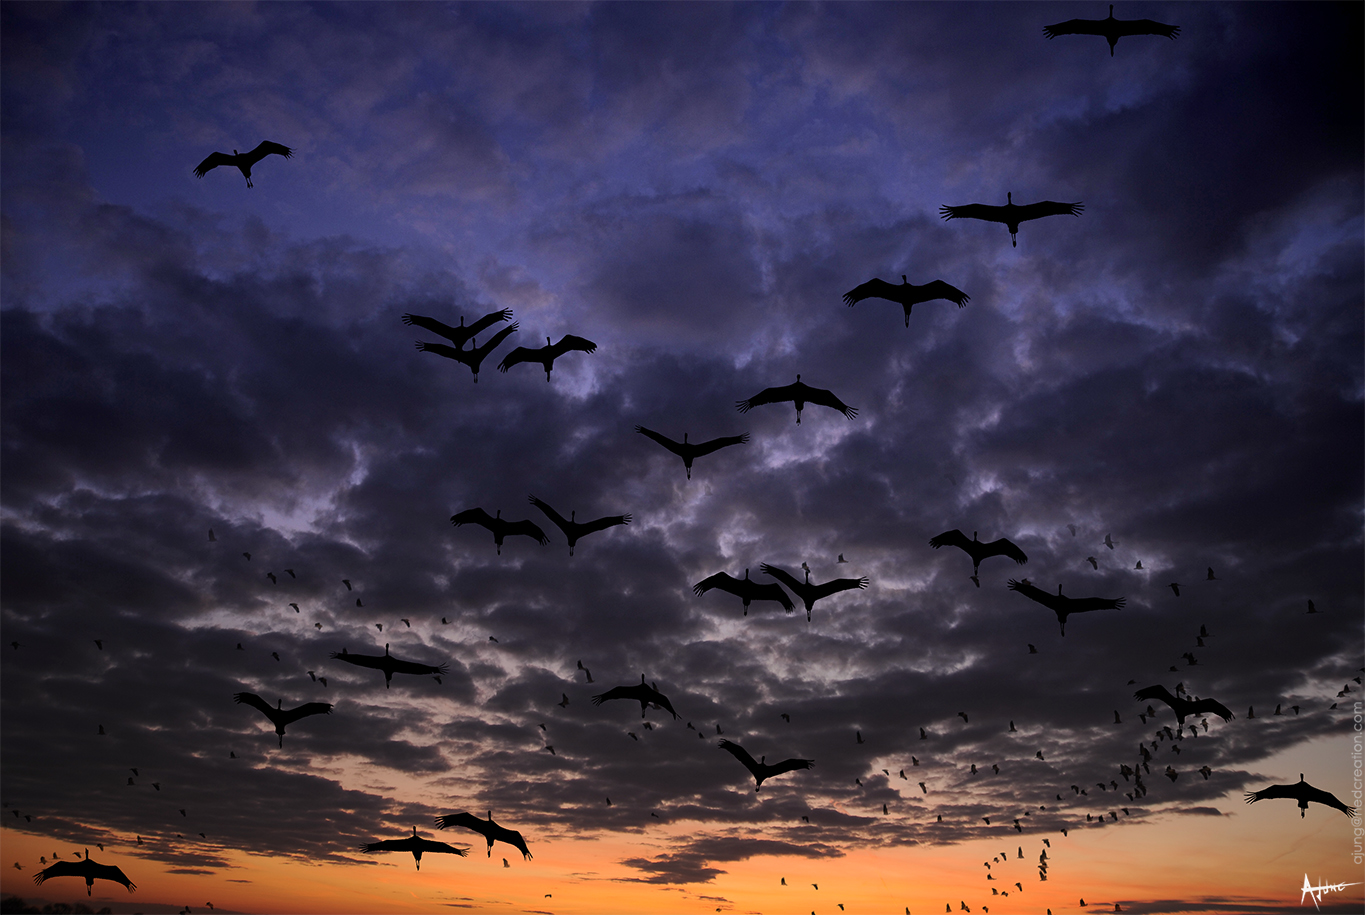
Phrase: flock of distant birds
(463, 349)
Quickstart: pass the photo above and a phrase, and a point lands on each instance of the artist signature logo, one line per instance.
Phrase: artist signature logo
(1317, 891)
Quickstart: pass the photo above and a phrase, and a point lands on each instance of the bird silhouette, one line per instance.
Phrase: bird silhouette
(1010, 214)
(1111, 29)
(1212, 577)
(273, 579)
(547, 354)
(280, 716)
(499, 527)
(212, 538)
(573, 529)
(689, 452)
(474, 355)
(760, 768)
(487, 828)
(1109, 542)
(1094, 563)
(907, 294)
(642, 692)
(415, 844)
(800, 394)
(978, 550)
(1175, 586)
(808, 592)
(86, 868)
(746, 589)
(388, 664)
(1062, 605)
(459, 335)
(243, 161)
(1184, 707)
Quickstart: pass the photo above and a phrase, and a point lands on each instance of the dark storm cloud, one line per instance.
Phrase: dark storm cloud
(171, 369)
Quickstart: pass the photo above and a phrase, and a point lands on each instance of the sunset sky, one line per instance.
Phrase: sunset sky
(694, 188)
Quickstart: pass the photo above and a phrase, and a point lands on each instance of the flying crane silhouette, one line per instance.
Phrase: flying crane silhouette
(1111, 29)
(643, 693)
(808, 592)
(547, 354)
(474, 356)
(388, 664)
(459, 335)
(499, 527)
(1184, 707)
(487, 828)
(1062, 605)
(88, 869)
(800, 394)
(573, 529)
(243, 161)
(907, 294)
(1010, 214)
(1303, 793)
(415, 844)
(690, 452)
(760, 768)
(978, 550)
(281, 717)
(746, 589)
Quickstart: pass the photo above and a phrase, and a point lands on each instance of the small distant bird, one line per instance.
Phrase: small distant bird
(761, 769)
(608, 802)
(1039, 755)
(785, 717)
(1138, 566)
(291, 573)
(102, 730)
(547, 354)
(923, 734)
(279, 716)
(358, 603)
(347, 583)
(1311, 608)
(858, 735)
(1206, 772)
(1212, 577)
(923, 788)
(1111, 29)
(841, 558)
(1031, 649)
(295, 606)
(799, 394)
(445, 621)
(690, 452)
(487, 828)
(87, 869)
(491, 639)
(239, 647)
(1011, 215)
(563, 703)
(963, 716)
(248, 556)
(415, 844)
(551, 748)
(273, 579)
(275, 655)
(907, 295)
(504, 863)
(1171, 773)
(405, 622)
(1012, 728)
(1303, 793)
(1175, 586)
(1093, 562)
(211, 537)
(572, 529)
(1108, 542)
(643, 693)
(243, 161)
(157, 786)
(99, 643)
(499, 527)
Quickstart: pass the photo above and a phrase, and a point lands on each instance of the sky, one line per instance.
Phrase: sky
(693, 188)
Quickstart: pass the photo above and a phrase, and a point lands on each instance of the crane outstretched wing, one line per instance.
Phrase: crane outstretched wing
(601, 524)
(834, 586)
(1046, 208)
(439, 349)
(722, 580)
(742, 755)
(984, 211)
(529, 528)
(618, 692)
(463, 820)
(875, 288)
(675, 447)
(489, 320)
(781, 576)
(1212, 705)
(267, 148)
(827, 399)
(789, 765)
(950, 538)
(559, 520)
(303, 711)
(724, 441)
(1085, 604)
(941, 290)
(413, 667)
(1034, 593)
(472, 516)
(1005, 547)
(255, 702)
(570, 342)
(1146, 27)
(359, 660)
(767, 395)
(520, 354)
(1075, 27)
(1156, 692)
(213, 161)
